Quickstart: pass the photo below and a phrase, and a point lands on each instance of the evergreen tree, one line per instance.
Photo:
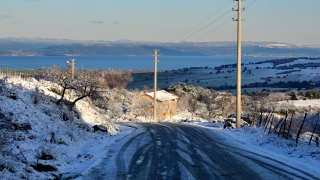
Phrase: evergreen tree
(301, 93)
(293, 95)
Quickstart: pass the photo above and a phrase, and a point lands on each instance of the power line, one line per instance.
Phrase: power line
(224, 23)
(203, 21)
(207, 25)
(217, 28)
(247, 7)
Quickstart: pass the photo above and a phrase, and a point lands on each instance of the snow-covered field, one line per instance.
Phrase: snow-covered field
(66, 141)
(304, 103)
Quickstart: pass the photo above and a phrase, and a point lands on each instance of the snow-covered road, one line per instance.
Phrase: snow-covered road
(182, 151)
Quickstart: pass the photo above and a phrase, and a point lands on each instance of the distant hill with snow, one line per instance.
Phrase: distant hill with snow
(61, 47)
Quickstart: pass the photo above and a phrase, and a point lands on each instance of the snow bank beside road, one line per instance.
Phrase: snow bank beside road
(302, 156)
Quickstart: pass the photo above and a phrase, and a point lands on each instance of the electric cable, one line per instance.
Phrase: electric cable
(224, 23)
(203, 21)
(207, 25)
(217, 28)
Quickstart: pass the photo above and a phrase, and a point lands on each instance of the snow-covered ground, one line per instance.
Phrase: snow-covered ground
(301, 156)
(301, 61)
(65, 140)
(304, 103)
(49, 134)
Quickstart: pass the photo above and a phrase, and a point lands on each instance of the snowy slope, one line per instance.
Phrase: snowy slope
(48, 134)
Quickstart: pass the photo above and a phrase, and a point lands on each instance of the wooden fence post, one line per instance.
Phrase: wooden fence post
(305, 116)
(314, 129)
(285, 123)
(290, 122)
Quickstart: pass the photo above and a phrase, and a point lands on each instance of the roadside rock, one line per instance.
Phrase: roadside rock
(100, 128)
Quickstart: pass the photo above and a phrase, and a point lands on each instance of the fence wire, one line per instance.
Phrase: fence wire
(19, 72)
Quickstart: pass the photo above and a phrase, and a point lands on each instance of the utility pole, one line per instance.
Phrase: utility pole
(7, 69)
(155, 85)
(240, 9)
(72, 68)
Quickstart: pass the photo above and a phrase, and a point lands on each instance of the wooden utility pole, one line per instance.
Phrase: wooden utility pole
(72, 68)
(7, 69)
(240, 9)
(155, 85)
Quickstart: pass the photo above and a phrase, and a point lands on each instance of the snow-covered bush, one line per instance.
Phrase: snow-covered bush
(8, 164)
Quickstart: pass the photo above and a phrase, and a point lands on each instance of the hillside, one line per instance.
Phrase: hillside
(179, 49)
(276, 74)
(62, 47)
(39, 139)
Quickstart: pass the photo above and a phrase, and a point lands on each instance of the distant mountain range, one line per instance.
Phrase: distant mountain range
(66, 47)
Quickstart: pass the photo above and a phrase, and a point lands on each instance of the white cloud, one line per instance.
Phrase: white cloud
(16, 23)
(97, 22)
(3, 16)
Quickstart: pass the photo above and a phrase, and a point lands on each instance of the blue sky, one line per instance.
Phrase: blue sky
(290, 21)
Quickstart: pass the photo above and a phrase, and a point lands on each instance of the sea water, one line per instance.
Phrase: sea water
(123, 62)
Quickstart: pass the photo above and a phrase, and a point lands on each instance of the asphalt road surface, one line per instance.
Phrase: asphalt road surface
(182, 151)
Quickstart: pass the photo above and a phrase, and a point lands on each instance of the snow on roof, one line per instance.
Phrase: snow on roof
(163, 95)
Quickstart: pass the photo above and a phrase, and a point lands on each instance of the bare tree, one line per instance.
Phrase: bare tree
(183, 102)
(61, 76)
(117, 78)
(142, 107)
(193, 105)
(209, 100)
(226, 103)
(112, 103)
(86, 84)
(259, 104)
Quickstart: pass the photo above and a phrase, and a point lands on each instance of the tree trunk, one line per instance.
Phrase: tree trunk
(76, 100)
(62, 95)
